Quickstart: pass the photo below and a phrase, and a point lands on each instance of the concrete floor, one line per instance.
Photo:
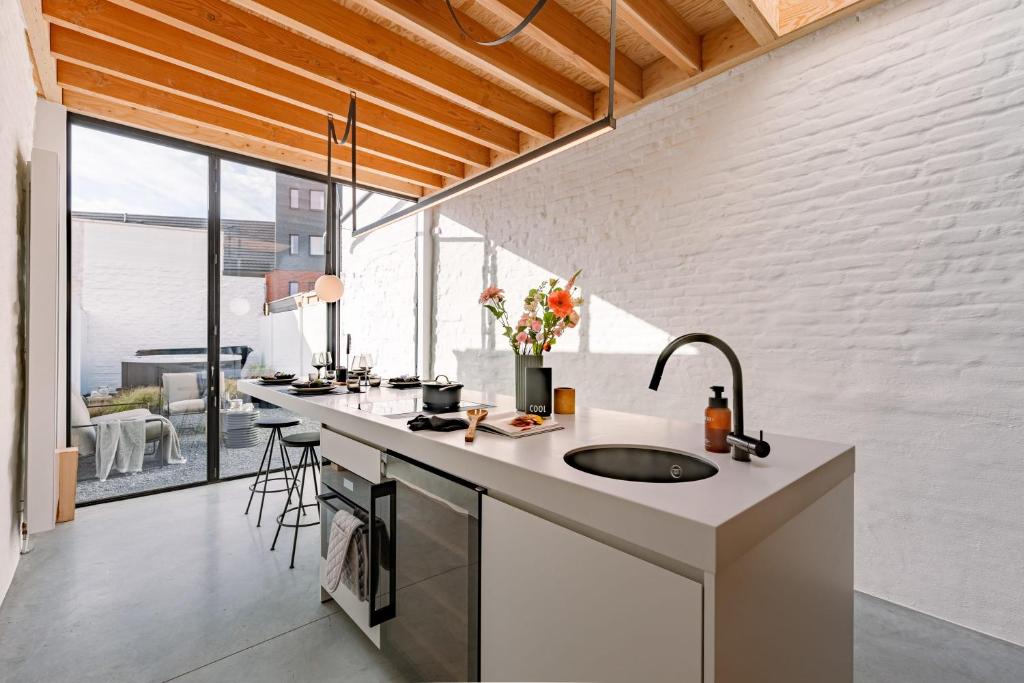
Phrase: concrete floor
(181, 586)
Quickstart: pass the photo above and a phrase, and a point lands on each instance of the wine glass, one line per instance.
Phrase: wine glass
(328, 360)
(369, 360)
(318, 362)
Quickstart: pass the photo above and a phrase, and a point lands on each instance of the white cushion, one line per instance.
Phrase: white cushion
(192, 405)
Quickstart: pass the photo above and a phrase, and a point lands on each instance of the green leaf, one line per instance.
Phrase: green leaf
(549, 318)
(494, 311)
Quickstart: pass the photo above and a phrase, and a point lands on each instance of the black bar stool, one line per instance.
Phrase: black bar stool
(308, 441)
(263, 476)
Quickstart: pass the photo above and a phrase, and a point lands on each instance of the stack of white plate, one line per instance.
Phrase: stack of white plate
(239, 428)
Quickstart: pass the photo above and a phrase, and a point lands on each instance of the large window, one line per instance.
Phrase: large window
(139, 245)
(149, 271)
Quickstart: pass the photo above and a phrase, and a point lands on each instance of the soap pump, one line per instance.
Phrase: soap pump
(717, 422)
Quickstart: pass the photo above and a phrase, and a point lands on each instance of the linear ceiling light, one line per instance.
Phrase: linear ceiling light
(588, 132)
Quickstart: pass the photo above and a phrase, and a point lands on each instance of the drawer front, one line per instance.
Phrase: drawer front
(356, 456)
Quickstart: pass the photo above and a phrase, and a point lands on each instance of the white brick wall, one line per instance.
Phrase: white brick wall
(379, 306)
(17, 110)
(848, 213)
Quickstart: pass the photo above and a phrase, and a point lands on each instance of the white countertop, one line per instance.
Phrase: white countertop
(702, 525)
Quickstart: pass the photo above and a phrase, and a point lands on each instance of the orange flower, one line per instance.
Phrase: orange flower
(560, 303)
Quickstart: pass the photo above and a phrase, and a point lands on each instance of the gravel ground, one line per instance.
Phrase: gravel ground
(233, 461)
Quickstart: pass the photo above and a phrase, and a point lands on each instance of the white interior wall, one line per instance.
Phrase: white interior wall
(17, 110)
(847, 213)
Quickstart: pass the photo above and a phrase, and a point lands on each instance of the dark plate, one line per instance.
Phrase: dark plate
(312, 390)
(403, 385)
(279, 380)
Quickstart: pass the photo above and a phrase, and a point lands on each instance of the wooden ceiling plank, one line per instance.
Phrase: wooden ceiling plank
(82, 79)
(129, 29)
(659, 25)
(107, 110)
(722, 48)
(38, 34)
(359, 37)
(561, 32)
(430, 20)
(759, 17)
(244, 32)
(97, 55)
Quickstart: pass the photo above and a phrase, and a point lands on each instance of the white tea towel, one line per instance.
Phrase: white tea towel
(170, 446)
(131, 446)
(343, 526)
(107, 436)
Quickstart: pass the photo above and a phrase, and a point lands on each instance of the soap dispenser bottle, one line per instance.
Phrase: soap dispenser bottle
(717, 422)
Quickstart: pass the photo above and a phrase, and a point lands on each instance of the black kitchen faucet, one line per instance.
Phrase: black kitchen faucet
(742, 445)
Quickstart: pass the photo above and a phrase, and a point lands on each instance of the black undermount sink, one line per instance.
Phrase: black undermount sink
(640, 463)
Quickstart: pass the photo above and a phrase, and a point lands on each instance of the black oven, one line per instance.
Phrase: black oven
(424, 563)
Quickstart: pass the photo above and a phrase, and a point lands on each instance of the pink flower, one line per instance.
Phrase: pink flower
(558, 329)
(522, 337)
(492, 292)
(574, 319)
(524, 321)
(536, 325)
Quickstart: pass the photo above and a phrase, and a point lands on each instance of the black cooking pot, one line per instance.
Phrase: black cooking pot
(438, 395)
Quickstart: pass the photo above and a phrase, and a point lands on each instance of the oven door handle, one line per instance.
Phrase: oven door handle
(381, 608)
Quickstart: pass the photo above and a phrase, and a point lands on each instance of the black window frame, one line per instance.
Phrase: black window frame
(214, 158)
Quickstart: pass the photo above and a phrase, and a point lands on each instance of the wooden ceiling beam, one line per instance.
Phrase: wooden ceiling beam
(97, 55)
(129, 29)
(38, 35)
(430, 21)
(82, 79)
(107, 110)
(242, 31)
(359, 37)
(558, 30)
(759, 17)
(665, 30)
(722, 48)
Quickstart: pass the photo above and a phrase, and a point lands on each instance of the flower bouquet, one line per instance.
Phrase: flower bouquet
(548, 311)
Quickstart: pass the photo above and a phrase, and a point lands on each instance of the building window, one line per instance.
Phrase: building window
(293, 288)
(293, 198)
(316, 200)
(316, 245)
(293, 244)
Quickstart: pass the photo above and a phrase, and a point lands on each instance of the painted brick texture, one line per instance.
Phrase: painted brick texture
(848, 213)
(17, 111)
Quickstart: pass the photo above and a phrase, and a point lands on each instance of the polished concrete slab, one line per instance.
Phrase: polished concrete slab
(181, 586)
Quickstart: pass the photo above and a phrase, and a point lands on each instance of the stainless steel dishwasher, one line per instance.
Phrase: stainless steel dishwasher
(424, 564)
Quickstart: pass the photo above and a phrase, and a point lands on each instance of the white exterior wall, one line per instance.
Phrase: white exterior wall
(848, 213)
(143, 286)
(17, 111)
(379, 308)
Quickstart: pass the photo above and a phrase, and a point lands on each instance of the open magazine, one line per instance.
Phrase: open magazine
(501, 423)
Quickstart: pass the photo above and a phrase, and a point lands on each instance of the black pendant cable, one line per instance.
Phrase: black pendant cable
(333, 265)
(501, 39)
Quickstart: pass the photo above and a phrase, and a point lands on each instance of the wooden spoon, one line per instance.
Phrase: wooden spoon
(475, 416)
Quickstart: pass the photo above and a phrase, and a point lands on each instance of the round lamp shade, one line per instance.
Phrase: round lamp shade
(329, 288)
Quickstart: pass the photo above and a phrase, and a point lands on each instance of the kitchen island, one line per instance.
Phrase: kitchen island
(745, 575)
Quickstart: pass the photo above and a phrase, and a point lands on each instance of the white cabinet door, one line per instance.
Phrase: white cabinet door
(558, 606)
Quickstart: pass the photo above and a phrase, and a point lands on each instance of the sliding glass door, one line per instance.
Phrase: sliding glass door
(272, 246)
(139, 244)
(191, 269)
